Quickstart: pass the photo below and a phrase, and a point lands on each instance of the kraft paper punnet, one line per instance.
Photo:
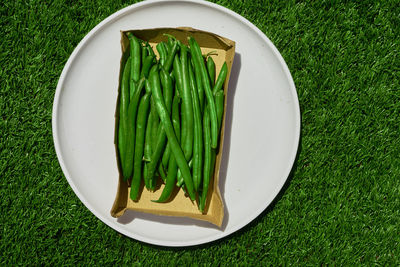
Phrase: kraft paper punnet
(179, 205)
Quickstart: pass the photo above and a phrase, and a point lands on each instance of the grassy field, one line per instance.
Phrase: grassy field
(342, 203)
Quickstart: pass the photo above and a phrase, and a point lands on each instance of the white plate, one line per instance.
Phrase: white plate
(262, 129)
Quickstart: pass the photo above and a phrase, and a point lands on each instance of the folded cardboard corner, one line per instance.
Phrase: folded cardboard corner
(179, 205)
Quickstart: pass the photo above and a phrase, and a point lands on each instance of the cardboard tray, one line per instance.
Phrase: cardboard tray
(179, 205)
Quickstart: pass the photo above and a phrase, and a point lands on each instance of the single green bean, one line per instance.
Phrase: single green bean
(168, 91)
(130, 130)
(147, 64)
(123, 113)
(219, 103)
(136, 58)
(162, 52)
(211, 70)
(187, 107)
(198, 134)
(148, 146)
(172, 166)
(147, 142)
(139, 142)
(161, 136)
(167, 124)
(162, 173)
(148, 139)
(154, 130)
(132, 84)
(170, 182)
(176, 121)
(171, 56)
(177, 68)
(199, 63)
(145, 53)
(207, 159)
(166, 155)
(180, 181)
(199, 85)
(221, 78)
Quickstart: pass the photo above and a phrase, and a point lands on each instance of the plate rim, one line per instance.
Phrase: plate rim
(136, 236)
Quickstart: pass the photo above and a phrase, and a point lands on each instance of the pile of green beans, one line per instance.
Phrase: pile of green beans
(170, 116)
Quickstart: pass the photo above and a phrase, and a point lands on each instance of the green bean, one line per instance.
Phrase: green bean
(211, 70)
(147, 64)
(123, 113)
(149, 136)
(187, 107)
(136, 58)
(199, 85)
(168, 91)
(139, 141)
(167, 124)
(221, 78)
(180, 179)
(207, 159)
(162, 52)
(130, 130)
(166, 155)
(145, 53)
(162, 173)
(161, 136)
(152, 116)
(154, 130)
(179, 175)
(132, 55)
(176, 121)
(170, 182)
(198, 134)
(177, 68)
(171, 56)
(219, 103)
(147, 142)
(199, 64)
(150, 49)
(172, 166)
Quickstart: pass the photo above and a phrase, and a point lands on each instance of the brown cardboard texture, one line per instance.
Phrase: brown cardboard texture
(179, 205)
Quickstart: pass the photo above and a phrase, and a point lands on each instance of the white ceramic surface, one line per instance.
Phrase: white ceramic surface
(262, 123)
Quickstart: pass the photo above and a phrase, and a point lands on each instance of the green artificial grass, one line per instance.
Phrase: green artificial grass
(341, 205)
